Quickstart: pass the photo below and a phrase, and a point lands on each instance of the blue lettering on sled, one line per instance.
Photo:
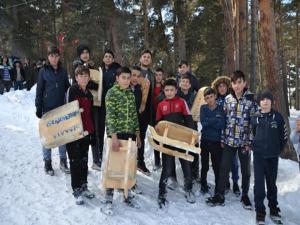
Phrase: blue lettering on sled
(62, 118)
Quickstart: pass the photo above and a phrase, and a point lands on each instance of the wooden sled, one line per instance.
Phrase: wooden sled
(97, 77)
(120, 167)
(177, 136)
(61, 125)
(198, 102)
(145, 86)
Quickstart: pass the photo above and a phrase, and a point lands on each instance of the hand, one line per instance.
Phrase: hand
(115, 143)
(138, 141)
(39, 113)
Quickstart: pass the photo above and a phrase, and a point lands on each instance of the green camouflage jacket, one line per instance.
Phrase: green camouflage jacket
(121, 115)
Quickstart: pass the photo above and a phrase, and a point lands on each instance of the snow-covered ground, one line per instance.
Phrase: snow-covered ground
(28, 196)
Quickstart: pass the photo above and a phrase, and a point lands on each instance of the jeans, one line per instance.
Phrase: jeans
(18, 85)
(61, 149)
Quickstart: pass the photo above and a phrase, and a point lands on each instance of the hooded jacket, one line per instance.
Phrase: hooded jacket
(216, 83)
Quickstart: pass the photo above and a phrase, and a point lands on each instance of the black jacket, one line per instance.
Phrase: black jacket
(270, 134)
(14, 74)
(51, 88)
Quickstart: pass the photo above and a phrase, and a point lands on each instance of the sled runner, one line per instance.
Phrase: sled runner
(97, 77)
(174, 135)
(61, 125)
(145, 85)
(198, 102)
(120, 167)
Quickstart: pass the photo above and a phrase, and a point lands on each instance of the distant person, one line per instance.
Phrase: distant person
(18, 75)
(5, 74)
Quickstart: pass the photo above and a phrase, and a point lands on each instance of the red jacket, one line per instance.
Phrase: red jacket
(175, 110)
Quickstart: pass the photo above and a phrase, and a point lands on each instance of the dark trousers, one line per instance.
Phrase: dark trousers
(7, 85)
(168, 165)
(195, 166)
(157, 158)
(265, 170)
(212, 148)
(78, 156)
(227, 156)
(143, 122)
(99, 125)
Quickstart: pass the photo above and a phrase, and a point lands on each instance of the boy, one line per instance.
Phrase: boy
(269, 138)
(121, 121)
(5, 75)
(78, 150)
(184, 68)
(221, 85)
(239, 106)
(51, 88)
(174, 109)
(212, 119)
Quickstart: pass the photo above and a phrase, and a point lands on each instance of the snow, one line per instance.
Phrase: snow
(28, 196)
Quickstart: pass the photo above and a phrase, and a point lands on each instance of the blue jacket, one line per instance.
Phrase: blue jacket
(237, 132)
(109, 78)
(213, 122)
(51, 88)
(269, 134)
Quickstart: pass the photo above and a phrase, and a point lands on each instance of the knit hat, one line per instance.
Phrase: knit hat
(265, 94)
(81, 48)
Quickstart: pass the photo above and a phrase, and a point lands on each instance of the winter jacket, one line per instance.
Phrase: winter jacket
(237, 132)
(175, 110)
(2, 75)
(216, 83)
(51, 88)
(137, 91)
(195, 85)
(85, 99)
(121, 114)
(15, 74)
(269, 134)
(189, 97)
(212, 121)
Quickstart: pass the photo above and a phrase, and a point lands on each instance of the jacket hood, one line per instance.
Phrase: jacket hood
(219, 80)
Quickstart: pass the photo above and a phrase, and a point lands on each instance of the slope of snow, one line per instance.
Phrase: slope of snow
(28, 196)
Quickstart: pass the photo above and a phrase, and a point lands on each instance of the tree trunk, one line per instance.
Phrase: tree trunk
(54, 22)
(180, 24)
(253, 54)
(229, 37)
(145, 4)
(243, 28)
(274, 81)
(297, 59)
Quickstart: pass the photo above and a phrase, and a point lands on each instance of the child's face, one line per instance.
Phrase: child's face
(158, 76)
(146, 59)
(82, 79)
(135, 77)
(85, 56)
(238, 86)
(222, 89)
(53, 59)
(210, 99)
(185, 84)
(183, 69)
(123, 80)
(170, 91)
(108, 59)
(265, 104)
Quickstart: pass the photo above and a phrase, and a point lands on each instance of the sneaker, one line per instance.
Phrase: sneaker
(204, 189)
(260, 218)
(216, 200)
(48, 168)
(143, 169)
(131, 202)
(135, 189)
(86, 192)
(95, 166)
(275, 216)
(190, 197)
(246, 202)
(64, 166)
(172, 184)
(162, 201)
(78, 196)
(236, 189)
(107, 208)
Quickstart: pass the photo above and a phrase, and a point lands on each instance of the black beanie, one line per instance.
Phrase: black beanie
(265, 94)
(81, 48)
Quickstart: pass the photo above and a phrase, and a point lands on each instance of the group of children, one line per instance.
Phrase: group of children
(232, 126)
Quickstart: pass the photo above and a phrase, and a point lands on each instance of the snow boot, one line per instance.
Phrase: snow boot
(204, 189)
(86, 192)
(64, 166)
(260, 218)
(162, 201)
(78, 196)
(236, 189)
(96, 166)
(131, 201)
(172, 184)
(246, 202)
(275, 215)
(48, 167)
(190, 197)
(143, 169)
(216, 200)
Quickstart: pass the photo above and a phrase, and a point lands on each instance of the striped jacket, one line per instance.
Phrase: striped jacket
(121, 114)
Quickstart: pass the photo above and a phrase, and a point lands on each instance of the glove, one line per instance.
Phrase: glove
(39, 113)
